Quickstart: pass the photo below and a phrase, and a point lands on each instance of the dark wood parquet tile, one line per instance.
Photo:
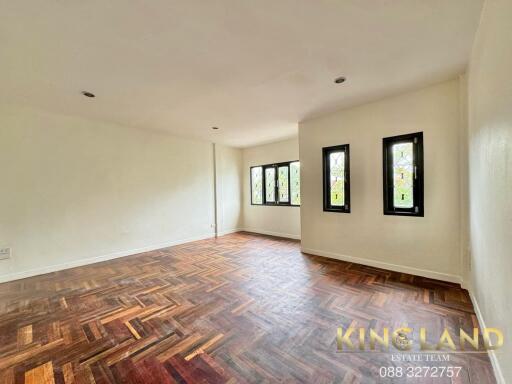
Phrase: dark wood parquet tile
(241, 308)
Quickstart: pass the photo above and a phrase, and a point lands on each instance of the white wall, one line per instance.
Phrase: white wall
(490, 172)
(75, 191)
(429, 245)
(278, 221)
(229, 170)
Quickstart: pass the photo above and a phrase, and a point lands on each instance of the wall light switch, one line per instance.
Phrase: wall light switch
(5, 253)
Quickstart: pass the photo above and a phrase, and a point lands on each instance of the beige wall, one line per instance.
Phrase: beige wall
(490, 172)
(229, 170)
(427, 246)
(271, 220)
(75, 191)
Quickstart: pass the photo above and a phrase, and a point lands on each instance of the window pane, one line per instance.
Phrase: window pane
(337, 178)
(403, 175)
(295, 182)
(270, 182)
(283, 184)
(257, 185)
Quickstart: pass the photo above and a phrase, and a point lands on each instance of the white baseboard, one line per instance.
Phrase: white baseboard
(91, 260)
(492, 355)
(465, 284)
(271, 233)
(228, 231)
(383, 265)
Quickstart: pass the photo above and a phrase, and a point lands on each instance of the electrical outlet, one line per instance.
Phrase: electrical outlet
(5, 253)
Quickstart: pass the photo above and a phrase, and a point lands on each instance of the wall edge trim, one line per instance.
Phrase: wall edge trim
(96, 259)
(272, 233)
(229, 231)
(388, 266)
(496, 367)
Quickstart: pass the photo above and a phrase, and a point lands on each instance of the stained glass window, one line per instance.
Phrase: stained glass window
(270, 182)
(276, 184)
(403, 172)
(257, 185)
(403, 175)
(295, 182)
(283, 186)
(336, 174)
(337, 178)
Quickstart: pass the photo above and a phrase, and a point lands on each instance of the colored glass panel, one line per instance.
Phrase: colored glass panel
(257, 185)
(337, 178)
(295, 182)
(403, 173)
(283, 184)
(270, 182)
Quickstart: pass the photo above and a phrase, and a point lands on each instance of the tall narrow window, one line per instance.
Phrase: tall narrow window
(257, 185)
(336, 167)
(403, 175)
(283, 184)
(270, 184)
(295, 183)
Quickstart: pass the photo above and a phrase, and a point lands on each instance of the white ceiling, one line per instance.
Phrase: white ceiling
(253, 68)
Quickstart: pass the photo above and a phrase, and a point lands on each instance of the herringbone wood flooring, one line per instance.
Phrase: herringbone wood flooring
(241, 308)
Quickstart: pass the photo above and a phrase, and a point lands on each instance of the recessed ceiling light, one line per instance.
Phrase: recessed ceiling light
(215, 127)
(340, 80)
(88, 94)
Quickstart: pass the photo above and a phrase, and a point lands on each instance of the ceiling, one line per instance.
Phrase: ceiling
(253, 68)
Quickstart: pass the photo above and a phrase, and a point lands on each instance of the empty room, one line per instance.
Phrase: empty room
(234, 191)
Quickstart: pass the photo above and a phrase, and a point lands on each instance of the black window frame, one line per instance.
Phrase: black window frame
(262, 186)
(418, 209)
(276, 196)
(326, 151)
(290, 183)
(276, 184)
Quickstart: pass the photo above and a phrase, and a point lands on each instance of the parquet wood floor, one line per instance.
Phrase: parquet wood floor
(241, 308)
